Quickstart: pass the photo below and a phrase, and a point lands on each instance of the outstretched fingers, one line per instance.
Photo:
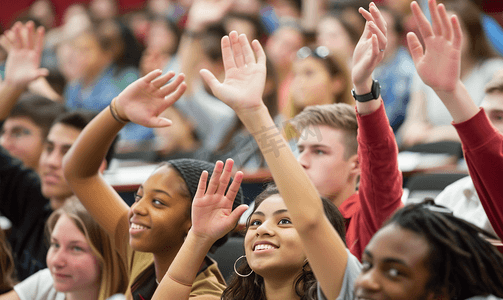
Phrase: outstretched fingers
(226, 177)
(201, 186)
(215, 177)
(259, 52)
(152, 75)
(435, 18)
(236, 49)
(160, 81)
(457, 32)
(234, 187)
(249, 56)
(378, 18)
(227, 56)
(421, 21)
(445, 22)
(415, 47)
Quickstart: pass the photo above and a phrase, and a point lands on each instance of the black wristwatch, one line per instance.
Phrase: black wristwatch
(374, 93)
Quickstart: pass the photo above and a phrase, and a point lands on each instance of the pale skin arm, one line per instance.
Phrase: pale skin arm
(23, 63)
(201, 14)
(141, 102)
(212, 218)
(242, 90)
(440, 63)
(12, 295)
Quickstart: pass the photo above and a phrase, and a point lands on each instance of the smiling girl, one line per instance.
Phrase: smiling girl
(81, 262)
(148, 234)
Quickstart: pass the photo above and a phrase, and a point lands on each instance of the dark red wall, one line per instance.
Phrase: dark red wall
(10, 9)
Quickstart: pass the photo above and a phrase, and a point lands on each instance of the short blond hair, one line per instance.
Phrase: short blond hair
(338, 116)
(496, 83)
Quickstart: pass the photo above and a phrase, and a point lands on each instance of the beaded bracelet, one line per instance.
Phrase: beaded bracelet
(114, 113)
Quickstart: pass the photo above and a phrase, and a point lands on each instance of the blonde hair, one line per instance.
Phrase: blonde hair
(338, 116)
(113, 277)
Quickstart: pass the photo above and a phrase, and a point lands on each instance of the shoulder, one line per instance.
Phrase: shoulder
(39, 286)
(209, 283)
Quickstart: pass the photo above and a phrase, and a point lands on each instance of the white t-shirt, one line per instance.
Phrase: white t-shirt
(461, 197)
(475, 83)
(38, 286)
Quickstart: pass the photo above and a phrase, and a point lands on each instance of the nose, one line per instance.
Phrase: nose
(138, 208)
(58, 258)
(265, 228)
(367, 281)
(303, 159)
(54, 159)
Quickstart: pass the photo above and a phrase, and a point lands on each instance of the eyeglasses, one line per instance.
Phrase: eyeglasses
(320, 52)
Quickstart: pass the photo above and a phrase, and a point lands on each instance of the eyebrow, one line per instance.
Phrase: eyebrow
(72, 242)
(162, 192)
(278, 212)
(387, 259)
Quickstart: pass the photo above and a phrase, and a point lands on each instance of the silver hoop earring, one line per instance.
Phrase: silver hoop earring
(236, 271)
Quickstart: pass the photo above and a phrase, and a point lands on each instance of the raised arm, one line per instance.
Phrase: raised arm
(242, 90)
(377, 148)
(141, 102)
(439, 67)
(202, 13)
(212, 218)
(439, 62)
(23, 63)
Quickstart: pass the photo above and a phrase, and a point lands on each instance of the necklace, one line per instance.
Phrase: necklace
(157, 281)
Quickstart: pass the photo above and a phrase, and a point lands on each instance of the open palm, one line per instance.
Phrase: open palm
(145, 99)
(439, 65)
(25, 49)
(212, 215)
(244, 74)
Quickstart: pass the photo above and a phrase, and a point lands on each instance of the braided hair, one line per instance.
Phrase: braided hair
(461, 261)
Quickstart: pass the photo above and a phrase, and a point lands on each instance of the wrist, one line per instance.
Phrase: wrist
(14, 85)
(114, 110)
(363, 87)
(203, 240)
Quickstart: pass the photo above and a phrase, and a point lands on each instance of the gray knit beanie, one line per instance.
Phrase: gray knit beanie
(191, 169)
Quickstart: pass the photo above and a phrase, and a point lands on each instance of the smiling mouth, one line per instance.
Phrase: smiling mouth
(137, 226)
(261, 247)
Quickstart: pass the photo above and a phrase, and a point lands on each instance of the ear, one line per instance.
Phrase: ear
(103, 166)
(355, 165)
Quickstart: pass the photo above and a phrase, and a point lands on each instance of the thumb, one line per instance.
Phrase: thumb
(415, 47)
(43, 72)
(210, 79)
(236, 213)
(160, 122)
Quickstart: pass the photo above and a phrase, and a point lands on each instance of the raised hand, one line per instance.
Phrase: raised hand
(244, 74)
(145, 99)
(25, 46)
(212, 214)
(439, 64)
(370, 48)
